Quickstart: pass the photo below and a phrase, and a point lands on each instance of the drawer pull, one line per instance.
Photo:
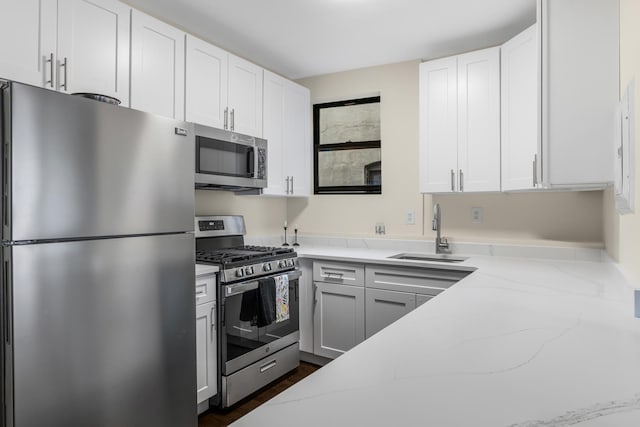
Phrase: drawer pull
(267, 366)
(334, 274)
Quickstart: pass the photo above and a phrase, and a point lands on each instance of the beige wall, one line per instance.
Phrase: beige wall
(263, 216)
(356, 215)
(529, 218)
(623, 231)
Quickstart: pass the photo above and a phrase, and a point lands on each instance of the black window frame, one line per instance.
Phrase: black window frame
(347, 145)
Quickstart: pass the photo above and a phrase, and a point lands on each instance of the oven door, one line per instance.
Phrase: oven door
(243, 342)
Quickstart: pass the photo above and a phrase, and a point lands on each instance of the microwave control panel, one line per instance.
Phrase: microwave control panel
(262, 163)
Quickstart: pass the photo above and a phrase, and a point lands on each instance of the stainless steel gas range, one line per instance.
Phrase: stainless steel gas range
(258, 306)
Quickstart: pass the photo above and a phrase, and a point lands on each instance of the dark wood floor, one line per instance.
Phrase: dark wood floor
(224, 417)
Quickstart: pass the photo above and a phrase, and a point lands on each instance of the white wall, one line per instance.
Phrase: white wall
(622, 232)
(535, 218)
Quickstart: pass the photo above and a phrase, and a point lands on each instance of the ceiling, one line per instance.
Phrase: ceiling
(302, 38)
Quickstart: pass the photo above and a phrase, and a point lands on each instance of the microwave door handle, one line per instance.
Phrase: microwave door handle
(255, 162)
(251, 162)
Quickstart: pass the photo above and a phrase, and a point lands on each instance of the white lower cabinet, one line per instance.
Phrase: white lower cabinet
(307, 299)
(206, 339)
(338, 321)
(385, 307)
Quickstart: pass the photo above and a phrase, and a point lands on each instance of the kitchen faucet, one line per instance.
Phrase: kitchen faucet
(442, 246)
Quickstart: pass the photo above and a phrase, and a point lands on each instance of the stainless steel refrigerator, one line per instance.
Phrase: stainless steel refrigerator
(98, 302)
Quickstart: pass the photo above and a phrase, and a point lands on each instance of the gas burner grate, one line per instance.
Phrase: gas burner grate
(241, 254)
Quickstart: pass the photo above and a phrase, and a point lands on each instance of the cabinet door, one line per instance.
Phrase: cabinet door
(274, 133)
(28, 48)
(93, 47)
(519, 103)
(580, 44)
(206, 357)
(157, 66)
(438, 125)
(245, 97)
(479, 120)
(297, 130)
(385, 307)
(338, 321)
(306, 305)
(206, 83)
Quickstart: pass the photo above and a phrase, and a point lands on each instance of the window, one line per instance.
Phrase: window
(346, 142)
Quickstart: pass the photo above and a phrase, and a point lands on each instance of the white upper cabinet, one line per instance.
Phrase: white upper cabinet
(245, 97)
(157, 66)
(28, 50)
(68, 45)
(206, 83)
(560, 87)
(519, 75)
(287, 128)
(460, 123)
(580, 89)
(93, 47)
(222, 90)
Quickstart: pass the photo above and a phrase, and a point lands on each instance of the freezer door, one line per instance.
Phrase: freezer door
(82, 168)
(104, 333)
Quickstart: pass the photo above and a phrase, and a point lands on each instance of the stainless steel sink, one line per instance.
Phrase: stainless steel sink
(427, 257)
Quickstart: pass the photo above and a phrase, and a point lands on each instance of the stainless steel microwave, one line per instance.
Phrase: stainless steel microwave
(229, 161)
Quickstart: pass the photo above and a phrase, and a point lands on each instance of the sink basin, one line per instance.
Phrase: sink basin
(427, 257)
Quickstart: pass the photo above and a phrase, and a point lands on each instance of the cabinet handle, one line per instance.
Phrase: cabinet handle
(65, 64)
(334, 274)
(233, 119)
(287, 191)
(226, 115)
(291, 184)
(461, 180)
(453, 185)
(51, 65)
(535, 170)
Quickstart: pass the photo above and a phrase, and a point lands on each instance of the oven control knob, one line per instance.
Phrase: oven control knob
(290, 263)
(266, 267)
(248, 271)
(282, 264)
(239, 273)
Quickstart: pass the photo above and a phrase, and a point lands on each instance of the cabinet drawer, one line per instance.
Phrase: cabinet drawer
(339, 272)
(205, 289)
(424, 281)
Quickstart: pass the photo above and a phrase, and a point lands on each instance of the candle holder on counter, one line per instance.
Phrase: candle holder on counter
(295, 237)
(285, 234)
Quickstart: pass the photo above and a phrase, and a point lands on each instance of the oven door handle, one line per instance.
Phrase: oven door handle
(239, 288)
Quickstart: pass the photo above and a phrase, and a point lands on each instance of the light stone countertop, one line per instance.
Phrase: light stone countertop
(205, 269)
(519, 342)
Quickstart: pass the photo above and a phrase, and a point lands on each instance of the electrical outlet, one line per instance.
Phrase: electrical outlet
(411, 217)
(476, 215)
(380, 228)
